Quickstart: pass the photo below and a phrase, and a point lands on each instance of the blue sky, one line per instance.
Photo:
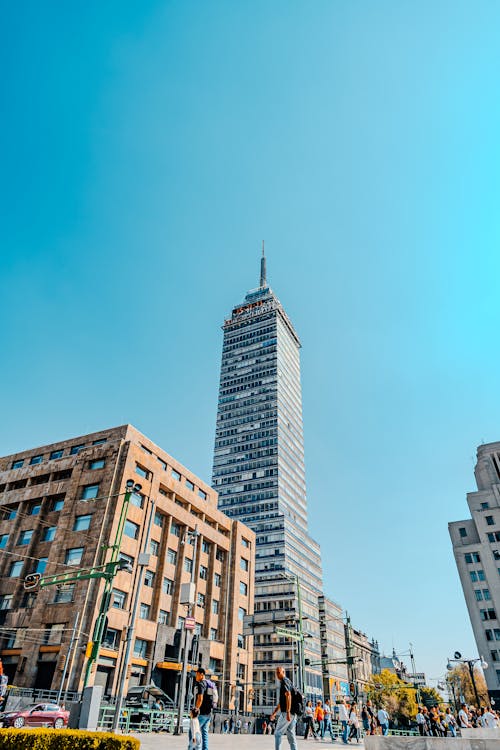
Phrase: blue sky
(148, 148)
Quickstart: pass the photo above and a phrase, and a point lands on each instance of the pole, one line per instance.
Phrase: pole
(68, 655)
(351, 668)
(301, 641)
(131, 627)
(100, 622)
(182, 692)
(412, 659)
(470, 664)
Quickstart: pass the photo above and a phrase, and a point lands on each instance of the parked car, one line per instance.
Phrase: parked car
(39, 715)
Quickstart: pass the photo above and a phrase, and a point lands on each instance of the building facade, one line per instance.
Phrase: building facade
(476, 547)
(364, 658)
(333, 649)
(259, 474)
(59, 512)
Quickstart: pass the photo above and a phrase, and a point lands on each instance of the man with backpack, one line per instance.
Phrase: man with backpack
(206, 698)
(289, 706)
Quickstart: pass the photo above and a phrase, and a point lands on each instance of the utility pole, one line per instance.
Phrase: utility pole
(298, 634)
(412, 659)
(351, 659)
(142, 562)
(68, 655)
(189, 601)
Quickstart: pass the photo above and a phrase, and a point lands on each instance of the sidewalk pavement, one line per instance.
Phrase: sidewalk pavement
(165, 741)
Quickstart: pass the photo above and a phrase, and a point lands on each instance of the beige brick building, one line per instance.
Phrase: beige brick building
(59, 511)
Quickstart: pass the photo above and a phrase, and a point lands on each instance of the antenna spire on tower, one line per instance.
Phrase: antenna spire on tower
(263, 281)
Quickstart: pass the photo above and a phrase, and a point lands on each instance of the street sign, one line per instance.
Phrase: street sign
(189, 623)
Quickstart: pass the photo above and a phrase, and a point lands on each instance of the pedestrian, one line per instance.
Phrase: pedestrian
(365, 718)
(422, 722)
(383, 720)
(373, 718)
(264, 727)
(204, 704)
(489, 720)
(319, 717)
(287, 721)
(309, 721)
(451, 722)
(237, 726)
(463, 717)
(194, 741)
(344, 720)
(231, 724)
(354, 723)
(327, 726)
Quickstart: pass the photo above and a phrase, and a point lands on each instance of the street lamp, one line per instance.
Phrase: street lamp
(470, 664)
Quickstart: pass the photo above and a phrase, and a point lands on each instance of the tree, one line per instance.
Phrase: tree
(397, 697)
(430, 697)
(459, 677)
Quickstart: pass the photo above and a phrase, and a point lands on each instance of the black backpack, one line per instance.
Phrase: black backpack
(297, 706)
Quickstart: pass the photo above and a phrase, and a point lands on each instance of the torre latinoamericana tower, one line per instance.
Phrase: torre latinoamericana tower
(259, 474)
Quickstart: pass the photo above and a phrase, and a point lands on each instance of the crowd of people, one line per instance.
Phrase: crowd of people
(435, 722)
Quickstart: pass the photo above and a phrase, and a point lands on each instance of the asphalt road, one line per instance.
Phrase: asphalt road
(229, 742)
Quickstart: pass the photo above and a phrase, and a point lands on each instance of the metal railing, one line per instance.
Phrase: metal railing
(137, 719)
(50, 696)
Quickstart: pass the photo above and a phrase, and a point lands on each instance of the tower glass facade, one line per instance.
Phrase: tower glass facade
(259, 469)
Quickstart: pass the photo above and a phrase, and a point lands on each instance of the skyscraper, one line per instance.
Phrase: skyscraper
(259, 472)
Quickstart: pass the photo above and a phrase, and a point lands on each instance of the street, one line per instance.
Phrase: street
(225, 742)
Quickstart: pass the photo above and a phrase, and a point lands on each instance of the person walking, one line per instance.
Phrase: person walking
(309, 721)
(344, 720)
(204, 704)
(327, 726)
(319, 717)
(422, 722)
(373, 718)
(231, 724)
(383, 720)
(287, 721)
(365, 718)
(451, 722)
(194, 737)
(488, 719)
(463, 717)
(354, 723)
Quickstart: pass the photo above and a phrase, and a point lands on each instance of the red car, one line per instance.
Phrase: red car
(40, 715)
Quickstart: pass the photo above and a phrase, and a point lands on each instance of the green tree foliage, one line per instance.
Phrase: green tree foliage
(430, 697)
(387, 690)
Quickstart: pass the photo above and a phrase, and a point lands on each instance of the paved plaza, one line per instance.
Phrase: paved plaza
(228, 742)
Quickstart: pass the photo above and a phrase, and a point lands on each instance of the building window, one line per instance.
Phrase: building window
(494, 655)
(25, 536)
(90, 491)
(485, 506)
(154, 547)
(36, 460)
(149, 578)
(201, 601)
(53, 634)
(57, 505)
(74, 556)
(49, 533)
(141, 648)
(473, 576)
(82, 523)
(203, 572)
(35, 509)
(220, 556)
(243, 588)
(163, 617)
(144, 612)
(41, 565)
(65, 593)
(241, 641)
(175, 529)
(146, 450)
(131, 529)
(486, 594)
(171, 556)
(241, 613)
(245, 542)
(243, 564)
(205, 546)
(478, 595)
(176, 475)
(462, 531)
(5, 601)
(162, 464)
(202, 494)
(111, 639)
(188, 564)
(213, 634)
(56, 454)
(118, 599)
(4, 538)
(480, 575)
(197, 629)
(144, 473)
(489, 520)
(99, 463)
(189, 485)
(128, 559)
(217, 579)
(180, 622)
(15, 569)
(159, 519)
(76, 449)
(476, 558)
(167, 586)
(215, 606)
(17, 464)
(498, 675)
(100, 441)
(489, 635)
(497, 634)
(137, 499)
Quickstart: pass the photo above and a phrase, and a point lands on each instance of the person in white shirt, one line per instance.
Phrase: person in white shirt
(383, 720)
(354, 723)
(489, 720)
(344, 719)
(463, 718)
(421, 722)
